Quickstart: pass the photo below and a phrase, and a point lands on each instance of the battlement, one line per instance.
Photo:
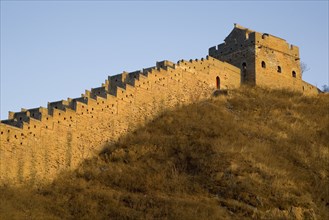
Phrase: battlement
(48, 140)
(165, 64)
(275, 43)
(36, 144)
(241, 38)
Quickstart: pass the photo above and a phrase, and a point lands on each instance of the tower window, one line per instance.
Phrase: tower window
(279, 69)
(293, 74)
(263, 64)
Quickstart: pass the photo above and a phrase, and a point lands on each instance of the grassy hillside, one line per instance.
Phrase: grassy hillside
(254, 154)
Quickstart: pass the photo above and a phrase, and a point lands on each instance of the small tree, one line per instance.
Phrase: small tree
(325, 88)
(304, 68)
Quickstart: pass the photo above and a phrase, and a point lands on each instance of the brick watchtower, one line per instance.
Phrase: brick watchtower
(264, 59)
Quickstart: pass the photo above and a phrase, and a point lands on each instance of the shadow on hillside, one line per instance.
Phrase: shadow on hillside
(256, 153)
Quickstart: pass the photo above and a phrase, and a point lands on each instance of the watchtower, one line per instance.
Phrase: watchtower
(264, 59)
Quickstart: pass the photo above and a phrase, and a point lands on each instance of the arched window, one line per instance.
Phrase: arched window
(217, 82)
(293, 74)
(279, 69)
(263, 64)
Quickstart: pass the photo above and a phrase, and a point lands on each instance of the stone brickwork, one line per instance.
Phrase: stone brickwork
(37, 144)
(264, 60)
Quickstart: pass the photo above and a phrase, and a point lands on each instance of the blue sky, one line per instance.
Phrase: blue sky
(52, 50)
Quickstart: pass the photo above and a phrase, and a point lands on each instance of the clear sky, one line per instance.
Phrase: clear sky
(52, 50)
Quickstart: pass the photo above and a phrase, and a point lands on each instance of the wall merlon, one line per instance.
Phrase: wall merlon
(120, 93)
(87, 93)
(73, 102)
(165, 64)
(80, 106)
(100, 103)
(11, 115)
(57, 113)
(135, 73)
(132, 77)
(117, 78)
(62, 104)
(38, 113)
(212, 50)
(22, 116)
(100, 91)
(35, 123)
(105, 84)
(102, 100)
(115, 82)
(81, 99)
(148, 70)
(13, 122)
(141, 79)
(8, 129)
(58, 105)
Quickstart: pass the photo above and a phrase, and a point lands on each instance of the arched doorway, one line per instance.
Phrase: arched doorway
(217, 82)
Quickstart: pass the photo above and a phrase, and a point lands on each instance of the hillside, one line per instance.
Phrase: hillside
(254, 153)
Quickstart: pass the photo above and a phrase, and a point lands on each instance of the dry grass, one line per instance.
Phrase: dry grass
(254, 154)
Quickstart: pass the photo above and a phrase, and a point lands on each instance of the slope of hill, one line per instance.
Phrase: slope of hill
(255, 153)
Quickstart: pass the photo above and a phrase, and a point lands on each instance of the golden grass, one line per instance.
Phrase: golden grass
(254, 154)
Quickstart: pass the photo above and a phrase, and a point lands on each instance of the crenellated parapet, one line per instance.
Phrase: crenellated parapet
(38, 143)
(264, 59)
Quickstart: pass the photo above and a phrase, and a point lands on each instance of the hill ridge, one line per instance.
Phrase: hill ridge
(212, 159)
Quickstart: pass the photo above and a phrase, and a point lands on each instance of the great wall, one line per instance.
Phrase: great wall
(37, 144)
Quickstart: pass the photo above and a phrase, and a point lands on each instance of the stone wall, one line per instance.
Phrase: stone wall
(37, 144)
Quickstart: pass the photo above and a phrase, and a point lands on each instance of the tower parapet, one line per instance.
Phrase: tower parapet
(264, 59)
